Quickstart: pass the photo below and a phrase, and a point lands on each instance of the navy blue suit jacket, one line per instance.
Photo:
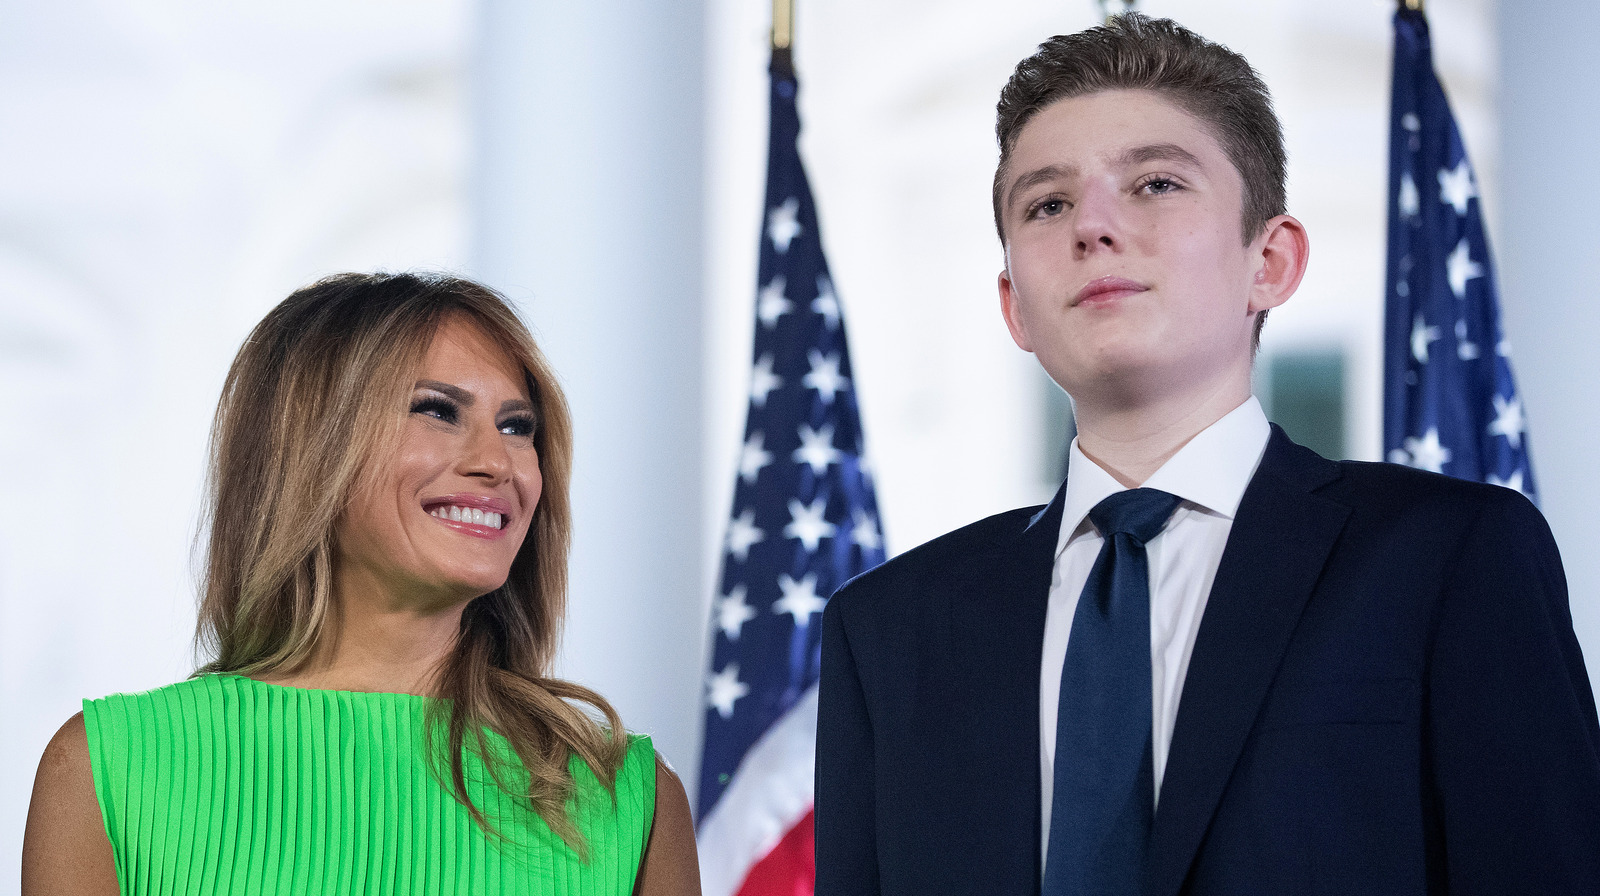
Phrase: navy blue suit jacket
(1385, 697)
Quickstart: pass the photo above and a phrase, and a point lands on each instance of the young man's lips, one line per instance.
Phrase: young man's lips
(1106, 288)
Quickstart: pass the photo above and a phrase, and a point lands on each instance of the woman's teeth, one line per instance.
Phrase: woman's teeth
(472, 515)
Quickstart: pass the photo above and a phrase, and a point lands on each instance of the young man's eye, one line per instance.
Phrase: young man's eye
(435, 407)
(518, 426)
(1159, 185)
(1046, 208)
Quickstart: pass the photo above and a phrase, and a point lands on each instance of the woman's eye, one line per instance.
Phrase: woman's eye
(437, 408)
(517, 426)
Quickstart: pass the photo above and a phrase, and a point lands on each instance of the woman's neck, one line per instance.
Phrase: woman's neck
(378, 646)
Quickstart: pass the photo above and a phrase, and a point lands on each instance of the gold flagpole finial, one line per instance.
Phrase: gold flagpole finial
(782, 24)
(1109, 8)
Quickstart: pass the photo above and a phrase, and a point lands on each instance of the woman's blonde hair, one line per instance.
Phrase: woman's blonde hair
(311, 409)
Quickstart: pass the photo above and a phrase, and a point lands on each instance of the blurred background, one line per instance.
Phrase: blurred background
(170, 169)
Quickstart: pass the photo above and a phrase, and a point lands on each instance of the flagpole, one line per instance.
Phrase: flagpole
(783, 37)
(1127, 6)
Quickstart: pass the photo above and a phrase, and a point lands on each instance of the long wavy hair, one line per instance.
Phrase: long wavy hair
(310, 413)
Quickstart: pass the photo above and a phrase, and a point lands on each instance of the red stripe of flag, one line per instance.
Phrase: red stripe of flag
(788, 870)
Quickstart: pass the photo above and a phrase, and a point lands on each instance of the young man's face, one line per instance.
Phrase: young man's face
(1125, 269)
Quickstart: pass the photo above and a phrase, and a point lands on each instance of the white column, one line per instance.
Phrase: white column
(1550, 271)
(587, 212)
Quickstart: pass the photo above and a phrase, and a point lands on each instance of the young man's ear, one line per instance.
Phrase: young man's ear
(1012, 314)
(1281, 263)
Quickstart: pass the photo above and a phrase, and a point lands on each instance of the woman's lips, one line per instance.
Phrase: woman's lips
(479, 515)
(1106, 289)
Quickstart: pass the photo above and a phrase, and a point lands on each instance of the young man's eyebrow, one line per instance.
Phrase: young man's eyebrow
(1038, 176)
(1137, 155)
(1158, 152)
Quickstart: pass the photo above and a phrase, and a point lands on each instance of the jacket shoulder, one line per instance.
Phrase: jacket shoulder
(1404, 490)
(958, 554)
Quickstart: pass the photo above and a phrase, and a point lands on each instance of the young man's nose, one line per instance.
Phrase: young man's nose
(1097, 220)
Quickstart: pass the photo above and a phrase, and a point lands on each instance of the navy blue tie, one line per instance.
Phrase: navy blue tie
(1104, 796)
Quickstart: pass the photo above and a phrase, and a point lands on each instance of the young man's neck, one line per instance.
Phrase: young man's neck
(1132, 439)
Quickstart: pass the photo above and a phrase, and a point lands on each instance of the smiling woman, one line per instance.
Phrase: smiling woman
(385, 585)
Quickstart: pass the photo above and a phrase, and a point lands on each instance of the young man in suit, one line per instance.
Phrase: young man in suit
(1215, 663)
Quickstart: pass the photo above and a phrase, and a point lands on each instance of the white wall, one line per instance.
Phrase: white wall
(1550, 271)
(587, 211)
(171, 170)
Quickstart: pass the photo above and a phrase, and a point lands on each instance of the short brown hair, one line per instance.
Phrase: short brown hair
(1135, 52)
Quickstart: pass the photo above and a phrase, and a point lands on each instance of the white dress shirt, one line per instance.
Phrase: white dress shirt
(1210, 474)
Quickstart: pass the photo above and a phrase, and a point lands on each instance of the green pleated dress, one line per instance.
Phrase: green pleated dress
(225, 785)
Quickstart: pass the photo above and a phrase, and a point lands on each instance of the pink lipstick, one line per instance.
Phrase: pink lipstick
(477, 515)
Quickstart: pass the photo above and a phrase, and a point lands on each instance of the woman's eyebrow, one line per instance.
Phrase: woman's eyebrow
(455, 393)
(466, 399)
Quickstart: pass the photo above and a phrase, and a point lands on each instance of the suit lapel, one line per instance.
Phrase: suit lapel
(997, 638)
(1280, 540)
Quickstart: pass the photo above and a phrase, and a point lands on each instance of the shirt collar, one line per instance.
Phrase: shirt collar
(1211, 471)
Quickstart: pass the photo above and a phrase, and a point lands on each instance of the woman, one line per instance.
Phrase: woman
(385, 582)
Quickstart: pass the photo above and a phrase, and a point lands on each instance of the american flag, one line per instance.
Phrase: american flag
(1450, 402)
(804, 521)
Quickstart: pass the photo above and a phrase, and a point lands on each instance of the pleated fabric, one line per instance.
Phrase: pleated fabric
(226, 785)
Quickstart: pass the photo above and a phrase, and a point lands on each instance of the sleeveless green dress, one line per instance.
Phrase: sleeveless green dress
(226, 785)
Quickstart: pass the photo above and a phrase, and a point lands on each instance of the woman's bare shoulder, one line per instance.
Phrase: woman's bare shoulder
(65, 848)
(670, 867)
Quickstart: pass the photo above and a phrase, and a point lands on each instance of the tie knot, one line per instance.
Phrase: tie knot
(1140, 512)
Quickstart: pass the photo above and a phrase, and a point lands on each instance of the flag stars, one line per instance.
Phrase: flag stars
(816, 448)
(807, 524)
(1508, 421)
(763, 381)
(752, 457)
(1459, 268)
(1410, 203)
(742, 533)
(724, 689)
(864, 531)
(826, 303)
(1466, 349)
(799, 599)
(824, 376)
(1427, 453)
(733, 612)
(1421, 336)
(1456, 188)
(1513, 482)
(783, 224)
(772, 303)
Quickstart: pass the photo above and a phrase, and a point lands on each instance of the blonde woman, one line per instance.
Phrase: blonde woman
(385, 583)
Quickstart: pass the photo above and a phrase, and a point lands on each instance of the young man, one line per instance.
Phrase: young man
(1215, 663)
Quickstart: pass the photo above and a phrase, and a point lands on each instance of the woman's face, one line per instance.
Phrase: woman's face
(443, 521)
